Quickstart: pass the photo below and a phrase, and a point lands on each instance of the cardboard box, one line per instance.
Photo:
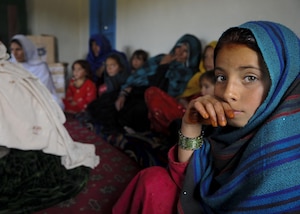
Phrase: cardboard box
(46, 46)
(58, 72)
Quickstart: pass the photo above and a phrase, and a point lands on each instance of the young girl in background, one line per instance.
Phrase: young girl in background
(81, 89)
(138, 58)
(207, 83)
(102, 111)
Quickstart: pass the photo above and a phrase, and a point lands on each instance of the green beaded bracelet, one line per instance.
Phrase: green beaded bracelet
(190, 143)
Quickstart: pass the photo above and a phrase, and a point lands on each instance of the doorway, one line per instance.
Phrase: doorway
(103, 19)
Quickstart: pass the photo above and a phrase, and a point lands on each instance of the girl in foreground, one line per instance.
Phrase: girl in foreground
(235, 148)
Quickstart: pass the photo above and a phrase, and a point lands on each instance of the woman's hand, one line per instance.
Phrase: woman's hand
(167, 59)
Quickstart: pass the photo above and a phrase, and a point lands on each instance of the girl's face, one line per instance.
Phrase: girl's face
(78, 72)
(112, 67)
(182, 53)
(17, 51)
(96, 49)
(137, 62)
(240, 82)
(208, 58)
(207, 87)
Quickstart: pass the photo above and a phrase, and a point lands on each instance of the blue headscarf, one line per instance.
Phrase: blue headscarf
(262, 175)
(105, 48)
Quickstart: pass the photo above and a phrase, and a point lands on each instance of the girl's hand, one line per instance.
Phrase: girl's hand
(204, 110)
(100, 71)
(119, 104)
(207, 110)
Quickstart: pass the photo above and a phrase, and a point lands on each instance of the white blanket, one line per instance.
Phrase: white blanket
(32, 120)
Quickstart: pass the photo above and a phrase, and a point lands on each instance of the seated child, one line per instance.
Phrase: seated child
(81, 89)
(102, 110)
(207, 83)
(138, 58)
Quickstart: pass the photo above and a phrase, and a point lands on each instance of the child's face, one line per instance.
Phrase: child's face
(240, 82)
(17, 51)
(78, 72)
(96, 49)
(207, 87)
(112, 67)
(208, 59)
(137, 62)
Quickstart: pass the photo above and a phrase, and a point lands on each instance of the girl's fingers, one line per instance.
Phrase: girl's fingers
(209, 111)
(228, 110)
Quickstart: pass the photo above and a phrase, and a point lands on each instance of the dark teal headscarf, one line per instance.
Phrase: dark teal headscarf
(256, 169)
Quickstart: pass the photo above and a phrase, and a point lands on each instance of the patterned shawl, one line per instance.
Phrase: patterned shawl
(177, 74)
(255, 169)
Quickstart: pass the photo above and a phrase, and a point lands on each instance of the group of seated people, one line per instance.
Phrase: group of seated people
(121, 95)
(235, 146)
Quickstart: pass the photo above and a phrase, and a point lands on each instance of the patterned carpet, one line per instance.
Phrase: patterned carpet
(107, 180)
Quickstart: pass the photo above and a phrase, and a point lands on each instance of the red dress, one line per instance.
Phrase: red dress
(162, 109)
(82, 96)
(154, 190)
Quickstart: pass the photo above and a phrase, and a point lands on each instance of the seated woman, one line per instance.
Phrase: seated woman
(24, 52)
(235, 148)
(163, 109)
(40, 164)
(206, 64)
(99, 49)
(169, 72)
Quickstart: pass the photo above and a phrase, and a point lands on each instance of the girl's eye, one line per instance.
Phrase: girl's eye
(220, 78)
(250, 78)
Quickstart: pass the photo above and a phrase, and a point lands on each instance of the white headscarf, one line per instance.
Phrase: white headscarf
(35, 65)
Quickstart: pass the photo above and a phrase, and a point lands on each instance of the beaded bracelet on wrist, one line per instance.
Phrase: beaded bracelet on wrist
(187, 143)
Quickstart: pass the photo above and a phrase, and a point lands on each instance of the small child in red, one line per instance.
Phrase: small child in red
(81, 89)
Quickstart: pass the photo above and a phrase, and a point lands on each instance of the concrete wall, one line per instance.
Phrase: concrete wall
(67, 20)
(156, 25)
(153, 25)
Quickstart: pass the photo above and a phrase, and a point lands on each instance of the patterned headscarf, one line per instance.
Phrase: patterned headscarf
(255, 169)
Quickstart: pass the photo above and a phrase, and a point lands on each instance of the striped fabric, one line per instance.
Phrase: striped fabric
(263, 175)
